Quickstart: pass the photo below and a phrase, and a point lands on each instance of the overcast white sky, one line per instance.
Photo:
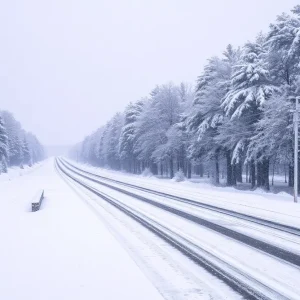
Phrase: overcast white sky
(66, 66)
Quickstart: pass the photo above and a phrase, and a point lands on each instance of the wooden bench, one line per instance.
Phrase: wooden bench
(37, 200)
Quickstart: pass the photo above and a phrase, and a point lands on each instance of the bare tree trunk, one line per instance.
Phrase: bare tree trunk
(273, 172)
(171, 167)
(258, 176)
(291, 175)
(201, 170)
(252, 174)
(229, 168)
(266, 170)
(285, 181)
(217, 169)
(197, 169)
(234, 171)
(189, 169)
(239, 172)
(153, 168)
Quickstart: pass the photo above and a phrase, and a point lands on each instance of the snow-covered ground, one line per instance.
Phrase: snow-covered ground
(279, 275)
(275, 207)
(14, 172)
(80, 247)
(62, 251)
(174, 274)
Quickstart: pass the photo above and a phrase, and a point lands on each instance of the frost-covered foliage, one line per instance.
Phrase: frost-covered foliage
(148, 135)
(179, 176)
(128, 137)
(238, 118)
(147, 173)
(251, 84)
(3, 147)
(17, 147)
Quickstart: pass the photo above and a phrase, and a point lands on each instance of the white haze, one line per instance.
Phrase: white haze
(67, 65)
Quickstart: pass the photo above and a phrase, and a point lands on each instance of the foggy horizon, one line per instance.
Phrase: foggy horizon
(68, 67)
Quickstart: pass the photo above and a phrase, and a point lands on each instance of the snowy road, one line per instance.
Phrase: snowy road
(267, 274)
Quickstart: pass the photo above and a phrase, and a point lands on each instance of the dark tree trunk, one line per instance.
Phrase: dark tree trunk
(239, 172)
(229, 168)
(197, 169)
(234, 172)
(184, 165)
(266, 172)
(259, 174)
(285, 181)
(217, 169)
(153, 168)
(252, 174)
(201, 170)
(189, 170)
(171, 167)
(291, 175)
(273, 173)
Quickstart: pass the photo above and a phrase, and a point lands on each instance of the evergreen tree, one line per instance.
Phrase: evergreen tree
(3, 147)
(207, 114)
(240, 117)
(21, 147)
(128, 138)
(26, 153)
(251, 87)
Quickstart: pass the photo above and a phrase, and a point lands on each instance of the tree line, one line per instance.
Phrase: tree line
(236, 121)
(17, 147)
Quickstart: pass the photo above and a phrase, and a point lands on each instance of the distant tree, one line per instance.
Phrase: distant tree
(128, 138)
(26, 153)
(17, 151)
(3, 147)
(36, 149)
(159, 114)
(239, 116)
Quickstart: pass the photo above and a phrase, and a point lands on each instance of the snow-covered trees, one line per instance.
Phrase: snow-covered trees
(237, 121)
(155, 121)
(207, 114)
(111, 142)
(26, 153)
(36, 149)
(17, 147)
(3, 147)
(251, 87)
(128, 138)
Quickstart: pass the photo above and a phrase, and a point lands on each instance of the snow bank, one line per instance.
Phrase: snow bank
(14, 172)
